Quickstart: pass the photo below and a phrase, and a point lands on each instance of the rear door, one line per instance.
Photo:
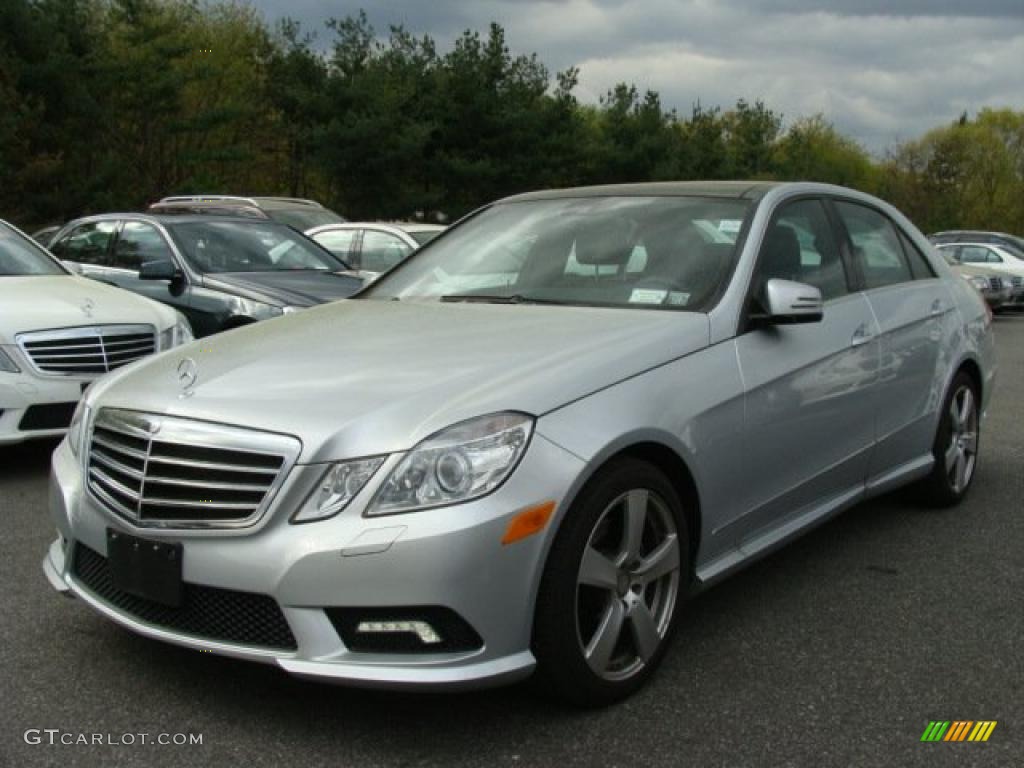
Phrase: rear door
(808, 431)
(915, 314)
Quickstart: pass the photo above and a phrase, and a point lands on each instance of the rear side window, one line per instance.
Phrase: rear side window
(978, 254)
(139, 244)
(919, 265)
(87, 244)
(876, 245)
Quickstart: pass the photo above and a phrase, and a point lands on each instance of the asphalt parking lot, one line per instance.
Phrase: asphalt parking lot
(835, 651)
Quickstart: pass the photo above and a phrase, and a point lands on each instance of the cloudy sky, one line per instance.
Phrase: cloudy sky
(882, 71)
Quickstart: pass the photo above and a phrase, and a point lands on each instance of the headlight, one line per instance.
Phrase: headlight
(76, 429)
(291, 310)
(340, 484)
(178, 334)
(979, 282)
(1007, 283)
(7, 365)
(463, 462)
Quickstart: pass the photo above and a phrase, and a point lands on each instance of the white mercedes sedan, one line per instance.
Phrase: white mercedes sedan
(59, 332)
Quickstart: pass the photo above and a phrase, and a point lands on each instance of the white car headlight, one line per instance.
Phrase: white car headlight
(340, 484)
(178, 334)
(7, 365)
(980, 283)
(461, 463)
(77, 428)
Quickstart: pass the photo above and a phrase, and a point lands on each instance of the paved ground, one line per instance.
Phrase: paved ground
(836, 651)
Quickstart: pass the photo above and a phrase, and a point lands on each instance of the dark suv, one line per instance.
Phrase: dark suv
(221, 272)
(296, 212)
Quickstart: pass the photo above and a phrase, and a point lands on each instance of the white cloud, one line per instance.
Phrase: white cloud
(882, 71)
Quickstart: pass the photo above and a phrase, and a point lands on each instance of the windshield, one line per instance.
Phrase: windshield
(304, 219)
(230, 246)
(21, 256)
(640, 252)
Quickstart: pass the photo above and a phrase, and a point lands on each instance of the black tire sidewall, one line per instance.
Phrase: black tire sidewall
(562, 669)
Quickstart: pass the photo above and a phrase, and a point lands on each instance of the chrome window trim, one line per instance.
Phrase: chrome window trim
(81, 332)
(188, 433)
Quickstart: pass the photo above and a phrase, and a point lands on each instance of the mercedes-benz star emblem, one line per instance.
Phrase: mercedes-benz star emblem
(187, 374)
(88, 306)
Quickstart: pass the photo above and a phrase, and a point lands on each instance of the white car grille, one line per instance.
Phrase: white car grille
(87, 351)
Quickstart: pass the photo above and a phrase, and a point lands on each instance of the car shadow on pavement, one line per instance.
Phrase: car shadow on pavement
(26, 459)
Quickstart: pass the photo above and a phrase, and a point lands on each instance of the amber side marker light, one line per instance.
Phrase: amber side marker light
(528, 522)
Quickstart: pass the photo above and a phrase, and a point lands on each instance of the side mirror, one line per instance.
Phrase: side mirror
(787, 302)
(158, 270)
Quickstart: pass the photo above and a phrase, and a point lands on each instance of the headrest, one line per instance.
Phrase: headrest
(603, 240)
(781, 254)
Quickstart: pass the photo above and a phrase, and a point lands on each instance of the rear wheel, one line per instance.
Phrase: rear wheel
(956, 445)
(612, 587)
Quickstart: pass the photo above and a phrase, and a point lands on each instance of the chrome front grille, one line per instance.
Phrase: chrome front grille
(996, 283)
(162, 471)
(1017, 281)
(87, 351)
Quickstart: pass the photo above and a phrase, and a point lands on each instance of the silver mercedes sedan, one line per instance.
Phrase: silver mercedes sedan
(523, 448)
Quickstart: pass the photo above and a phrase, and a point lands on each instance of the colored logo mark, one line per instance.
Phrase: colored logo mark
(958, 730)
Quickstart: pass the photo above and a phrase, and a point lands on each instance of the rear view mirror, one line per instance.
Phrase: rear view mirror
(787, 302)
(158, 270)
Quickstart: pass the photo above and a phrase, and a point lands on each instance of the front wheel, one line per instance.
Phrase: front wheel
(611, 590)
(956, 445)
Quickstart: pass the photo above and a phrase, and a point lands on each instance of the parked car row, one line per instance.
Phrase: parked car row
(520, 450)
(994, 268)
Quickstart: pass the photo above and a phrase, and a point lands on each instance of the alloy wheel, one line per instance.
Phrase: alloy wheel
(627, 585)
(961, 454)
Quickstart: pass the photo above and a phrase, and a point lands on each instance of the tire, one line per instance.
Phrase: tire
(956, 445)
(632, 583)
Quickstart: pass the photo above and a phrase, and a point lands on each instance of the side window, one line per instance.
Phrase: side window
(381, 251)
(800, 245)
(138, 244)
(876, 246)
(994, 257)
(973, 254)
(919, 265)
(338, 242)
(88, 244)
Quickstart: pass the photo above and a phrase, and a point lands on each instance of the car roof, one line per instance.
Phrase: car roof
(173, 219)
(265, 202)
(752, 190)
(405, 226)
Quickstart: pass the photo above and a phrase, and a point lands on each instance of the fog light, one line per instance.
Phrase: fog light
(421, 629)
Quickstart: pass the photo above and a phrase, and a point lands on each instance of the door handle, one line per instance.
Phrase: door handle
(861, 336)
(937, 307)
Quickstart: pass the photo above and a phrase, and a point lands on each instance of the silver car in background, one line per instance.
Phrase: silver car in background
(526, 445)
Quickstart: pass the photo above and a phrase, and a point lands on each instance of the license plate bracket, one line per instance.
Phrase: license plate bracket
(145, 568)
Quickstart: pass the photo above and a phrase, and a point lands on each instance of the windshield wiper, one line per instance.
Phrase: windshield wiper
(483, 298)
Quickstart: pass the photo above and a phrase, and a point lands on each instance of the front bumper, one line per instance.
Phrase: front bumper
(450, 557)
(21, 391)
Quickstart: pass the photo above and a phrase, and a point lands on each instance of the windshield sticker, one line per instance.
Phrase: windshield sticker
(732, 226)
(647, 296)
(678, 298)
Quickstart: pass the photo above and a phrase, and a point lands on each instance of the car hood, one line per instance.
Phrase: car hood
(297, 288)
(43, 302)
(368, 377)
